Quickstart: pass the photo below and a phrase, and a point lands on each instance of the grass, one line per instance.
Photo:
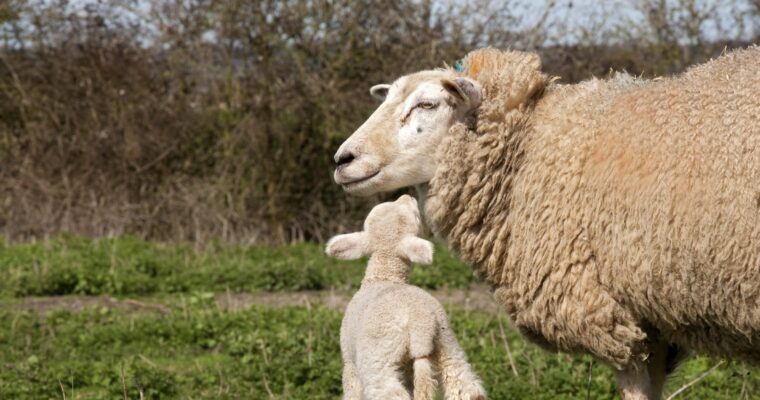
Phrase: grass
(131, 266)
(290, 353)
(190, 348)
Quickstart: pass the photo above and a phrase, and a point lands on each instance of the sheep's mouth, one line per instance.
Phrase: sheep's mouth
(353, 184)
(361, 185)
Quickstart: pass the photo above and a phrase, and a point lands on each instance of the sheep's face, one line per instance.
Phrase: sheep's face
(390, 228)
(396, 146)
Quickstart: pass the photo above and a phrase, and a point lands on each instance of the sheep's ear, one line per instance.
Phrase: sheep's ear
(380, 91)
(465, 90)
(417, 250)
(349, 246)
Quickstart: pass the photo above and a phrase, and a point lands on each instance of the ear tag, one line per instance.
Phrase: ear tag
(458, 67)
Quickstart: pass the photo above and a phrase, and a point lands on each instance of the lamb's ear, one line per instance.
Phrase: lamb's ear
(416, 250)
(349, 246)
(380, 91)
(465, 90)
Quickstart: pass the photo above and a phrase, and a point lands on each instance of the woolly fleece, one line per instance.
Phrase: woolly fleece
(614, 213)
(395, 335)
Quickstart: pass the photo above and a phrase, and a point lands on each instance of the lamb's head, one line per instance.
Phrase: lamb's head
(396, 146)
(390, 229)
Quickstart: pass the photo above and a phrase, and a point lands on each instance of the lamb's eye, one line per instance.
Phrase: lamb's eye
(427, 105)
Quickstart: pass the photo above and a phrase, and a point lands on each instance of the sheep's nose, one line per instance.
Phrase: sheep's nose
(344, 159)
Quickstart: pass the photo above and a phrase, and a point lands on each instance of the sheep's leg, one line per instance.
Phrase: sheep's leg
(352, 388)
(663, 359)
(657, 367)
(634, 383)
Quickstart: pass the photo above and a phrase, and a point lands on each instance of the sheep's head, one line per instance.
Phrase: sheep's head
(396, 146)
(390, 228)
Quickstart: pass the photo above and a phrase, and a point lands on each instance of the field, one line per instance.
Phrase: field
(125, 318)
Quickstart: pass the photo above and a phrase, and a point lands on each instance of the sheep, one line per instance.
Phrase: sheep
(616, 217)
(392, 329)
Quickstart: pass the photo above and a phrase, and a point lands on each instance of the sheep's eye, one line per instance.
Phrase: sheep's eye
(427, 105)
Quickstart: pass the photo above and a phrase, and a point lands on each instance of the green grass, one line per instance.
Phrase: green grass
(197, 350)
(293, 353)
(131, 266)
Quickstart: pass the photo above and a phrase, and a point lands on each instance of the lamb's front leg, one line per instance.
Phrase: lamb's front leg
(352, 388)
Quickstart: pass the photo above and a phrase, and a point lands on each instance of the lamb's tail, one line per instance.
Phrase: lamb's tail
(457, 378)
(424, 379)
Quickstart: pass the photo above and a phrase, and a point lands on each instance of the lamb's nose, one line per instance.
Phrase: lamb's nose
(344, 159)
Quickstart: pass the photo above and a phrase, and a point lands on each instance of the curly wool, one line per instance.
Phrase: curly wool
(612, 213)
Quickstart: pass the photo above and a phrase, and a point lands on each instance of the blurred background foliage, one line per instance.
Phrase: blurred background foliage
(196, 119)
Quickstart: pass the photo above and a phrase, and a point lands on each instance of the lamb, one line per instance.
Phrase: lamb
(393, 330)
(616, 217)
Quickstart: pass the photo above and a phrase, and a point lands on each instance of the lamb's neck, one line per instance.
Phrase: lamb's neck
(384, 267)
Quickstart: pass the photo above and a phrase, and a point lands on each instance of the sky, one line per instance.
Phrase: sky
(595, 17)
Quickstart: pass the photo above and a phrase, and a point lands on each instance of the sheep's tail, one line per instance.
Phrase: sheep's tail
(457, 378)
(424, 379)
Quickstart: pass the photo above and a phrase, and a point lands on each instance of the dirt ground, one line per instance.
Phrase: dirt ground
(475, 298)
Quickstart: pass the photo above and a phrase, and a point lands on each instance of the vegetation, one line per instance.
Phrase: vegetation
(173, 338)
(132, 266)
(210, 126)
(196, 119)
(201, 351)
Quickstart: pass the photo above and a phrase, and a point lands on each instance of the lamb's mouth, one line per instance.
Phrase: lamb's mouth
(350, 185)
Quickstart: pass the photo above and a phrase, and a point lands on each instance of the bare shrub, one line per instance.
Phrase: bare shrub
(193, 120)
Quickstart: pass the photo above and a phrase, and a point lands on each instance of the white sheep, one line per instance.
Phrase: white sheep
(395, 335)
(618, 217)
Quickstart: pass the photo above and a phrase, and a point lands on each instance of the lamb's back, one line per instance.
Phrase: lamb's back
(387, 313)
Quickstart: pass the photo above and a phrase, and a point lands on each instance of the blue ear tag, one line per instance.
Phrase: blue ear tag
(458, 66)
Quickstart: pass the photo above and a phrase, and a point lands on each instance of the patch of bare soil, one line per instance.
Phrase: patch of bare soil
(43, 305)
(475, 298)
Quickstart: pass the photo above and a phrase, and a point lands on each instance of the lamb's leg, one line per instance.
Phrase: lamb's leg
(384, 383)
(380, 376)
(420, 349)
(424, 379)
(459, 382)
(634, 383)
(352, 388)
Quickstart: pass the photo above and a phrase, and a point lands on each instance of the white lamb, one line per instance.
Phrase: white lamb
(395, 338)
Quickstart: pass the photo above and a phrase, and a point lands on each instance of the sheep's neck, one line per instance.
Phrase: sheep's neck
(384, 267)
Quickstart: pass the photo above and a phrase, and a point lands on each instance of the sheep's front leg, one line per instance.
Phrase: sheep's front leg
(352, 389)
(657, 367)
(634, 383)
